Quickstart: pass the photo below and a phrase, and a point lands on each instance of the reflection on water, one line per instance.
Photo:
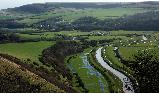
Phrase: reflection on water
(92, 71)
(127, 85)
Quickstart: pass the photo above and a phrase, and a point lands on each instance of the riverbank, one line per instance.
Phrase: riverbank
(127, 85)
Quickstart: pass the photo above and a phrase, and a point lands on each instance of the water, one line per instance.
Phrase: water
(127, 85)
(92, 71)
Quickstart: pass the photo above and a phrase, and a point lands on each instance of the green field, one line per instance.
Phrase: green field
(109, 54)
(46, 35)
(5, 17)
(49, 35)
(73, 14)
(55, 45)
(90, 80)
(29, 50)
(128, 52)
(106, 37)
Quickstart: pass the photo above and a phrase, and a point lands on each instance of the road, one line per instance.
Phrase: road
(127, 85)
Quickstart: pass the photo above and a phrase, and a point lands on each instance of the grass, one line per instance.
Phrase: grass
(49, 35)
(110, 55)
(114, 84)
(3, 17)
(128, 53)
(14, 79)
(112, 12)
(105, 37)
(122, 32)
(72, 33)
(73, 14)
(91, 82)
(29, 50)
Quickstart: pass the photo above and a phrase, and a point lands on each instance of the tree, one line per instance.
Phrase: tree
(146, 67)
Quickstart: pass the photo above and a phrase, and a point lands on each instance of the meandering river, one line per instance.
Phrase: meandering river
(127, 85)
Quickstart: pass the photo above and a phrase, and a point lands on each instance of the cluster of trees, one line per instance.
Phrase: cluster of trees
(54, 24)
(86, 23)
(55, 55)
(50, 75)
(145, 66)
(8, 37)
(143, 21)
(11, 23)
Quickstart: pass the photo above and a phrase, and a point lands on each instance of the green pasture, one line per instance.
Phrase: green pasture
(73, 14)
(106, 37)
(29, 50)
(2, 17)
(46, 35)
(91, 82)
(109, 54)
(128, 52)
(49, 35)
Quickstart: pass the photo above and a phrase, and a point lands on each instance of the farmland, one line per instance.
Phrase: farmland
(90, 77)
(25, 51)
(73, 14)
(81, 47)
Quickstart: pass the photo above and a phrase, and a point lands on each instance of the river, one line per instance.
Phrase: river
(127, 85)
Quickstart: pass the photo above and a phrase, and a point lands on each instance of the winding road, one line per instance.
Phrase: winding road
(127, 85)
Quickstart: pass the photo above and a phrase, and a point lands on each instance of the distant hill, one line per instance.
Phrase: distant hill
(147, 21)
(142, 22)
(40, 8)
(151, 2)
(32, 8)
(146, 4)
(126, 16)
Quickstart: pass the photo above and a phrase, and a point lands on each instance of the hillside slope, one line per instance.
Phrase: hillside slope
(15, 78)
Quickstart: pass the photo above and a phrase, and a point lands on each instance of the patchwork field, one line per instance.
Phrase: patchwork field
(80, 48)
(73, 14)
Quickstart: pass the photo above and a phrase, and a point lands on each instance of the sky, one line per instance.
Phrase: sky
(15, 3)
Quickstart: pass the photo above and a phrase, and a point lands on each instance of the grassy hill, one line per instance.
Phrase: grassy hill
(24, 51)
(14, 78)
(34, 13)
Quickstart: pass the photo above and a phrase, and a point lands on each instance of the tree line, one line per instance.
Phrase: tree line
(142, 21)
(147, 21)
(145, 66)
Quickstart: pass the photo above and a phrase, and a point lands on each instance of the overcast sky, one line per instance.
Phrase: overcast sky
(14, 3)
